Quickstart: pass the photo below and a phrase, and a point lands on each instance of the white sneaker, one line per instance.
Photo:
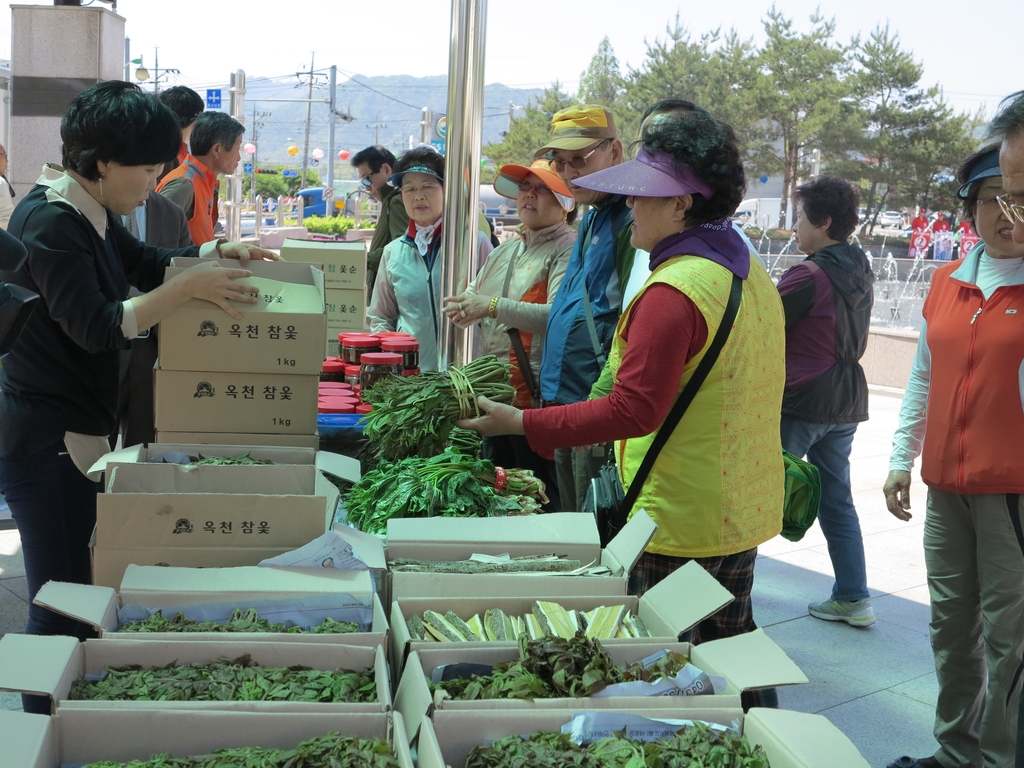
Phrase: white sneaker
(856, 613)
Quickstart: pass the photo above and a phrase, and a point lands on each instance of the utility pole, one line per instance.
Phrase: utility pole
(331, 117)
(376, 129)
(309, 115)
(257, 123)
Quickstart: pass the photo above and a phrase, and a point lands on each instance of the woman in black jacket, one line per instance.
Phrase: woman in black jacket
(828, 298)
(60, 381)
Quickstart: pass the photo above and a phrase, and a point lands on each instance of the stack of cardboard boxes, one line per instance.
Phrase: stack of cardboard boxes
(251, 381)
(344, 266)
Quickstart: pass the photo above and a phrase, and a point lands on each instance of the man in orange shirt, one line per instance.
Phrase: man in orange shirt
(216, 148)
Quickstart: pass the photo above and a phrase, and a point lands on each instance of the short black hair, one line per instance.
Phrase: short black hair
(1009, 121)
(707, 146)
(374, 157)
(969, 207)
(214, 128)
(427, 156)
(115, 121)
(825, 197)
(185, 103)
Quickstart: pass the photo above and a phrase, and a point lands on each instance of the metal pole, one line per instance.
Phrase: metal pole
(127, 59)
(331, 118)
(233, 204)
(309, 115)
(462, 166)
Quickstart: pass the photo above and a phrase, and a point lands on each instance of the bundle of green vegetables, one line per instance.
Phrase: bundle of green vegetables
(696, 746)
(413, 416)
(330, 751)
(554, 667)
(240, 621)
(447, 485)
(224, 461)
(227, 680)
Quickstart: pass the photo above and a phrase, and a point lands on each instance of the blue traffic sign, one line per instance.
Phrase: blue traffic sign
(213, 98)
(438, 144)
(290, 174)
(246, 167)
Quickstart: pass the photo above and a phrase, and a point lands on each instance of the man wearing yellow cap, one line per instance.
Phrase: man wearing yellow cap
(589, 300)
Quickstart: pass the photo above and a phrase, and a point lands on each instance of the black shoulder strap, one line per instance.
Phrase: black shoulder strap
(685, 397)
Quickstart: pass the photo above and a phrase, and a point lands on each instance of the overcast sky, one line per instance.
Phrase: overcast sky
(972, 52)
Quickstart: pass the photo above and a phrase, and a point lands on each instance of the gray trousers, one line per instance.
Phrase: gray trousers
(574, 470)
(974, 553)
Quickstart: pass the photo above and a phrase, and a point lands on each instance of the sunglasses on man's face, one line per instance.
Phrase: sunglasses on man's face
(576, 161)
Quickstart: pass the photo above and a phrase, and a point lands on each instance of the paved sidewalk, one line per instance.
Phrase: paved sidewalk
(876, 684)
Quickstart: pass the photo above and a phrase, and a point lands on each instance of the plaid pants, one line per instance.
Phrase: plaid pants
(736, 574)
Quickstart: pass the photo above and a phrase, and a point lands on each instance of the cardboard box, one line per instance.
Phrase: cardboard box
(283, 332)
(239, 438)
(790, 739)
(346, 310)
(571, 534)
(210, 516)
(49, 665)
(747, 662)
(79, 737)
(216, 401)
(344, 263)
(98, 606)
(677, 603)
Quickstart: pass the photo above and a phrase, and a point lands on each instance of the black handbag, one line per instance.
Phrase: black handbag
(606, 499)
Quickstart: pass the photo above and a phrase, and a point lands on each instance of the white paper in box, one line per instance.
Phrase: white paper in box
(49, 666)
(80, 737)
(284, 332)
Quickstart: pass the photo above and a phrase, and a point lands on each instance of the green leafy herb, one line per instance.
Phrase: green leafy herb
(329, 751)
(223, 461)
(227, 680)
(448, 485)
(413, 416)
(696, 746)
(240, 621)
(553, 667)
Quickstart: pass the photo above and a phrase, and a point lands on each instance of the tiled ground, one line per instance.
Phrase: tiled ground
(876, 684)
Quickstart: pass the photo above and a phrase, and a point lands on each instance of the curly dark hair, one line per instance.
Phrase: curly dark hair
(969, 206)
(426, 156)
(707, 146)
(829, 197)
(116, 121)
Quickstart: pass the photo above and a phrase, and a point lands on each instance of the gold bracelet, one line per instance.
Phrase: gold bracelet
(492, 309)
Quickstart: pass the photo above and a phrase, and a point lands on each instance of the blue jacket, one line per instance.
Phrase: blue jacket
(569, 367)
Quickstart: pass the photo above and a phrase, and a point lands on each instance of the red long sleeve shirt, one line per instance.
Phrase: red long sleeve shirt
(664, 332)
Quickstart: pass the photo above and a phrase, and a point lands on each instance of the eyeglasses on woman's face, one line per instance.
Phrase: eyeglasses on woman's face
(1014, 211)
(425, 188)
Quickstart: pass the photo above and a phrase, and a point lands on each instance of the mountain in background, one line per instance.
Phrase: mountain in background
(388, 109)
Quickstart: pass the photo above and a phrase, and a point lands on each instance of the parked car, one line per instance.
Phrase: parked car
(890, 219)
(744, 218)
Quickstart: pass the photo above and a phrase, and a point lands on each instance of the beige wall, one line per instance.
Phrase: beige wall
(888, 358)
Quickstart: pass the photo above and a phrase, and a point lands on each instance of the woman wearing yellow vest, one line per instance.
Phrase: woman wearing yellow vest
(716, 488)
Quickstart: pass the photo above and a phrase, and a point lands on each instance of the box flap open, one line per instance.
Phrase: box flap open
(749, 661)
(800, 740)
(29, 741)
(93, 605)
(127, 455)
(41, 664)
(413, 698)
(344, 467)
(682, 600)
(623, 552)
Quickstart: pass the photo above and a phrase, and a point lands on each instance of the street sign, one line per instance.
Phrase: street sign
(328, 193)
(246, 167)
(442, 127)
(213, 98)
(438, 144)
(290, 174)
